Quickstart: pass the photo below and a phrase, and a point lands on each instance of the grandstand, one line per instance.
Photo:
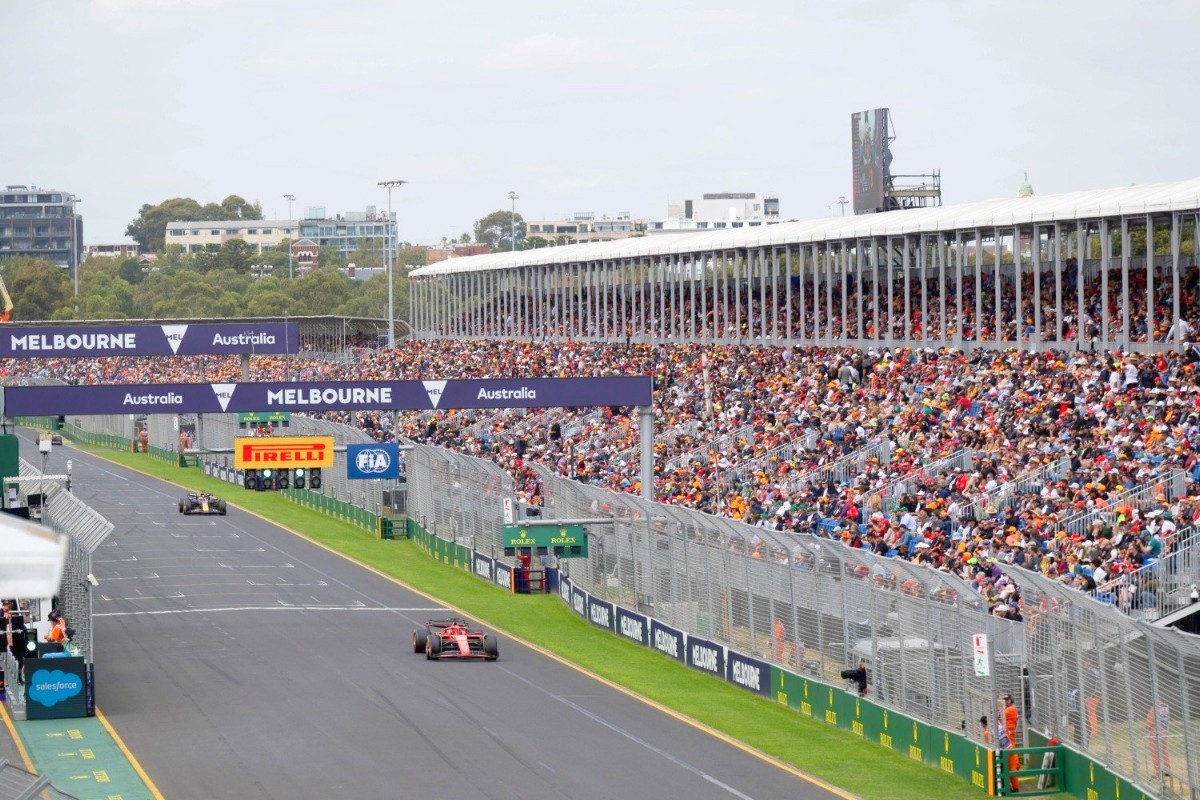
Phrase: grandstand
(1087, 270)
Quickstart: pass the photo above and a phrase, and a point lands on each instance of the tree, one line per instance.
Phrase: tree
(102, 296)
(269, 304)
(410, 255)
(497, 229)
(234, 207)
(39, 288)
(465, 238)
(321, 291)
(236, 255)
(130, 271)
(149, 229)
(331, 256)
(537, 242)
(368, 254)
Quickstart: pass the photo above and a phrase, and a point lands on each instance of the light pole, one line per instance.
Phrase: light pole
(512, 222)
(291, 241)
(73, 239)
(842, 202)
(389, 185)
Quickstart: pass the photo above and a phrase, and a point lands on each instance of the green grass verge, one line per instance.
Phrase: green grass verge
(839, 758)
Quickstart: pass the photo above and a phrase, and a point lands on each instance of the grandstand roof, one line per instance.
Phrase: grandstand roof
(1002, 212)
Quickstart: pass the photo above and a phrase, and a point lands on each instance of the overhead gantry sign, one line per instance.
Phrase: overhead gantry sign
(216, 398)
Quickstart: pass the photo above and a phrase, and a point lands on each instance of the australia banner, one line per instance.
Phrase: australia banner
(210, 398)
(91, 341)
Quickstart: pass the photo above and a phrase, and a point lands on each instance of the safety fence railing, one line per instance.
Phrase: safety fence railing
(460, 498)
(580, 423)
(1154, 494)
(1115, 688)
(85, 530)
(1009, 493)
(14, 694)
(1160, 586)
(879, 499)
(738, 476)
(17, 784)
(878, 450)
(796, 601)
(712, 450)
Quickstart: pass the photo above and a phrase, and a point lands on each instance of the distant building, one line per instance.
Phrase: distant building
(114, 250)
(261, 234)
(436, 254)
(1026, 188)
(42, 223)
(718, 210)
(368, 229)
(582, 226)
(307, 255)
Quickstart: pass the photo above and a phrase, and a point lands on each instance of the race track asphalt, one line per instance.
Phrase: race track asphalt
(237, 660)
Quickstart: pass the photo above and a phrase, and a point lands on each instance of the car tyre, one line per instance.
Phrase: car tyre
(420, 640)
(181, 502)
(430, 644)
(491, 648)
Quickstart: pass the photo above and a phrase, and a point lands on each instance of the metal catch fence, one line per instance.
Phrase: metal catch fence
(881, 498)
(1123, 691)
(86, 530)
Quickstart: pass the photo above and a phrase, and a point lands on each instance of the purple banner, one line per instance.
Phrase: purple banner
(91, 341)
(211, 398)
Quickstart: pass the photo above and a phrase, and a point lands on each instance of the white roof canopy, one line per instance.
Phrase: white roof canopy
(1003, 213)
(31, 558)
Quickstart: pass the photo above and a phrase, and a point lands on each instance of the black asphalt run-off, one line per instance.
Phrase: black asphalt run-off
(237, 660)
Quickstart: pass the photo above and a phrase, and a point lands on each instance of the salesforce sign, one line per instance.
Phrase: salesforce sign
(371, 461)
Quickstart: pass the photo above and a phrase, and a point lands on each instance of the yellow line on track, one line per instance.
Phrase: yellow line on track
(137, 767)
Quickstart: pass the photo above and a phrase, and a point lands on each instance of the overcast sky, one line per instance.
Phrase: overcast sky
(606, 106)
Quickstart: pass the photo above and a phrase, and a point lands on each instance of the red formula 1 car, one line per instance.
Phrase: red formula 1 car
(454, 639)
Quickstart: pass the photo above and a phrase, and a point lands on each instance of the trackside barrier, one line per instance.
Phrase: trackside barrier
(984, 768)
(80, 436)
(339, 509)
(39, 423)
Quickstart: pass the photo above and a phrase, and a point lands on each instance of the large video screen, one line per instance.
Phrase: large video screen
(868, 130)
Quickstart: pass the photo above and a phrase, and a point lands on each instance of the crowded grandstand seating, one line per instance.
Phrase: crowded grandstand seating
(1082, 465)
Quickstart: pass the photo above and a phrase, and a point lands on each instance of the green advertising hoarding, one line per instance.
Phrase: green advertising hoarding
(949, 752)
(564, 541)
(263, 417)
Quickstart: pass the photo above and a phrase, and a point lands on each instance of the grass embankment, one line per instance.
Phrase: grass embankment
(841, 759)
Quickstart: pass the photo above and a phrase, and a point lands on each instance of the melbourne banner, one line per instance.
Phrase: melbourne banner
(749, 673)
(633, 626)
(90, 341)
(373, 460)
(211, 398)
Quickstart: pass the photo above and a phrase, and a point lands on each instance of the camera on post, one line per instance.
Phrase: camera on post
(858, 676)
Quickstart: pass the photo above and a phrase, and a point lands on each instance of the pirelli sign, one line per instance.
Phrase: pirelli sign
(266, 452)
